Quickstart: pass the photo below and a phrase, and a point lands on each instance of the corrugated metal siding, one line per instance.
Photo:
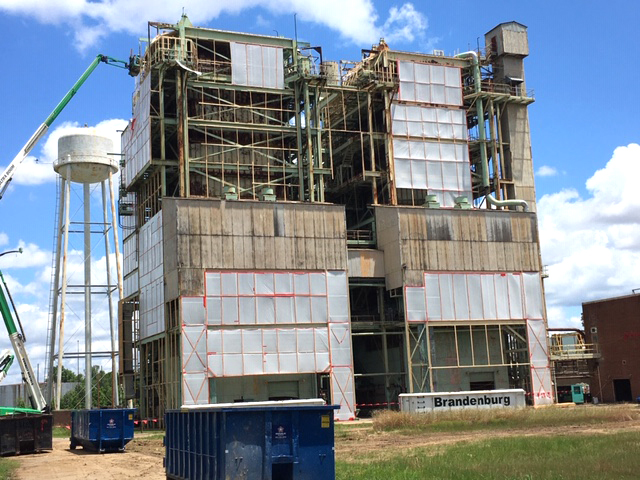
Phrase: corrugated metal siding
(454, 240)
(214, 234)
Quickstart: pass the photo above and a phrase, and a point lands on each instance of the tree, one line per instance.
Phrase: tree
(100, 390)
(67, 375)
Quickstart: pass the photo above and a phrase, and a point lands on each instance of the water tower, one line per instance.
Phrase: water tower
(83, 158)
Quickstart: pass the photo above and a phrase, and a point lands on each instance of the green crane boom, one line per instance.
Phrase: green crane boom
(17, 340)
(133, 66)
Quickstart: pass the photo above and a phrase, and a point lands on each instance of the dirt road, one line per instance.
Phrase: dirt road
(62, 463)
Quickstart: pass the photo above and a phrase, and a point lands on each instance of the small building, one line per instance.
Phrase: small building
(614, 324)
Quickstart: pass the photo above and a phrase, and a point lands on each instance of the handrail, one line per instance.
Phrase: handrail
(493, 87)
(570, 351)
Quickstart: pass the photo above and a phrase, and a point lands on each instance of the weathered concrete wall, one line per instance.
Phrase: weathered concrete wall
(416, 240)
(203, 234)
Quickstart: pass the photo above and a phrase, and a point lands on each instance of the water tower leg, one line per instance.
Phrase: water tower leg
(87, 294)
(56, 287)
(63, 295)
(114, 376)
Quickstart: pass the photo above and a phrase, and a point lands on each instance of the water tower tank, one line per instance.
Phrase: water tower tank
(84, 157)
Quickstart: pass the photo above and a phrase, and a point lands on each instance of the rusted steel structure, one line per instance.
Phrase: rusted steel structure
(297, 227)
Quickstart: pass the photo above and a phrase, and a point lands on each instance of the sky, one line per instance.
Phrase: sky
(583, 67)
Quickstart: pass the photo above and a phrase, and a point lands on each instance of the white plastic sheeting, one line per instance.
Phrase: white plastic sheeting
(136, 140)
(193, 311)
(151, 281)
(420, 82)
(130, 265)
(259, 351)
(273, 298)
(471, 296)
(440, 168)
(257, 65)
(130, 284)
(539, 358)
(533, 295)
(279, 323)
(491, 296)
(416, 310)
(429, 122)
(194, 364)
(195, 389)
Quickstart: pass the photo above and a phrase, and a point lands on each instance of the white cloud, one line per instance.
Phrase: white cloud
(547, 171)
(36, 171)
(32, 256)
(355, 20)
(403, 24)
(592, 245)
(4, 239)
(562, 318)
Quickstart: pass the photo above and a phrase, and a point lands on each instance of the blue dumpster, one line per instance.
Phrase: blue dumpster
(105, 430)
(251, 441)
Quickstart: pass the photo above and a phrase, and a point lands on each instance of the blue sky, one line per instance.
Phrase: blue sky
(583, 67)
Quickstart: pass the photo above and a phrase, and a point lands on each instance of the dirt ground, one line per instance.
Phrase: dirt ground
(143, 457)
(63, 463)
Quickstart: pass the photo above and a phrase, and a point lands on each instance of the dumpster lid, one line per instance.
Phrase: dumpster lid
(310, 402)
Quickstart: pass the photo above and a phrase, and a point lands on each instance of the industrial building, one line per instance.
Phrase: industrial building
(296, 227)
(614, 325)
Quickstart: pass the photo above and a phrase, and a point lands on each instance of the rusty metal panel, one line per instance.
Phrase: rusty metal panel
(365, 263)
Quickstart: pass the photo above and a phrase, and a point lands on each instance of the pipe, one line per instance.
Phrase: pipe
(484, 168)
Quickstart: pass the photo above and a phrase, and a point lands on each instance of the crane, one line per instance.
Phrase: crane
(133, 66)
(18, 340)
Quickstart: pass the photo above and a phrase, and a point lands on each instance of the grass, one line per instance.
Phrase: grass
(150, 434)
(8, 466)
(61, 432)
(341, 430)
(466, 420)
(564, 457)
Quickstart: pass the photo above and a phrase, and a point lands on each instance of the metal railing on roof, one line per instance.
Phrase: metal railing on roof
(574, 352)
(501, 88)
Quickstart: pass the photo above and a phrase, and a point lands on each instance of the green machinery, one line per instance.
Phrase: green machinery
(18, 340)
(133, 66)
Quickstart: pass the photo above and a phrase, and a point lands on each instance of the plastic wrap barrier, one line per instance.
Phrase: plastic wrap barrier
(488, 297)
(474, 296)
(430, 141)
(136, 139)
(194, 364)
(151, 278)
(540, 367)
(265, 323)
(257, 65)
(420, 82)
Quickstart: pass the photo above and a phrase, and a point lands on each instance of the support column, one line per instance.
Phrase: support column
(63, 295)
(56, 287)
(87, 294)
